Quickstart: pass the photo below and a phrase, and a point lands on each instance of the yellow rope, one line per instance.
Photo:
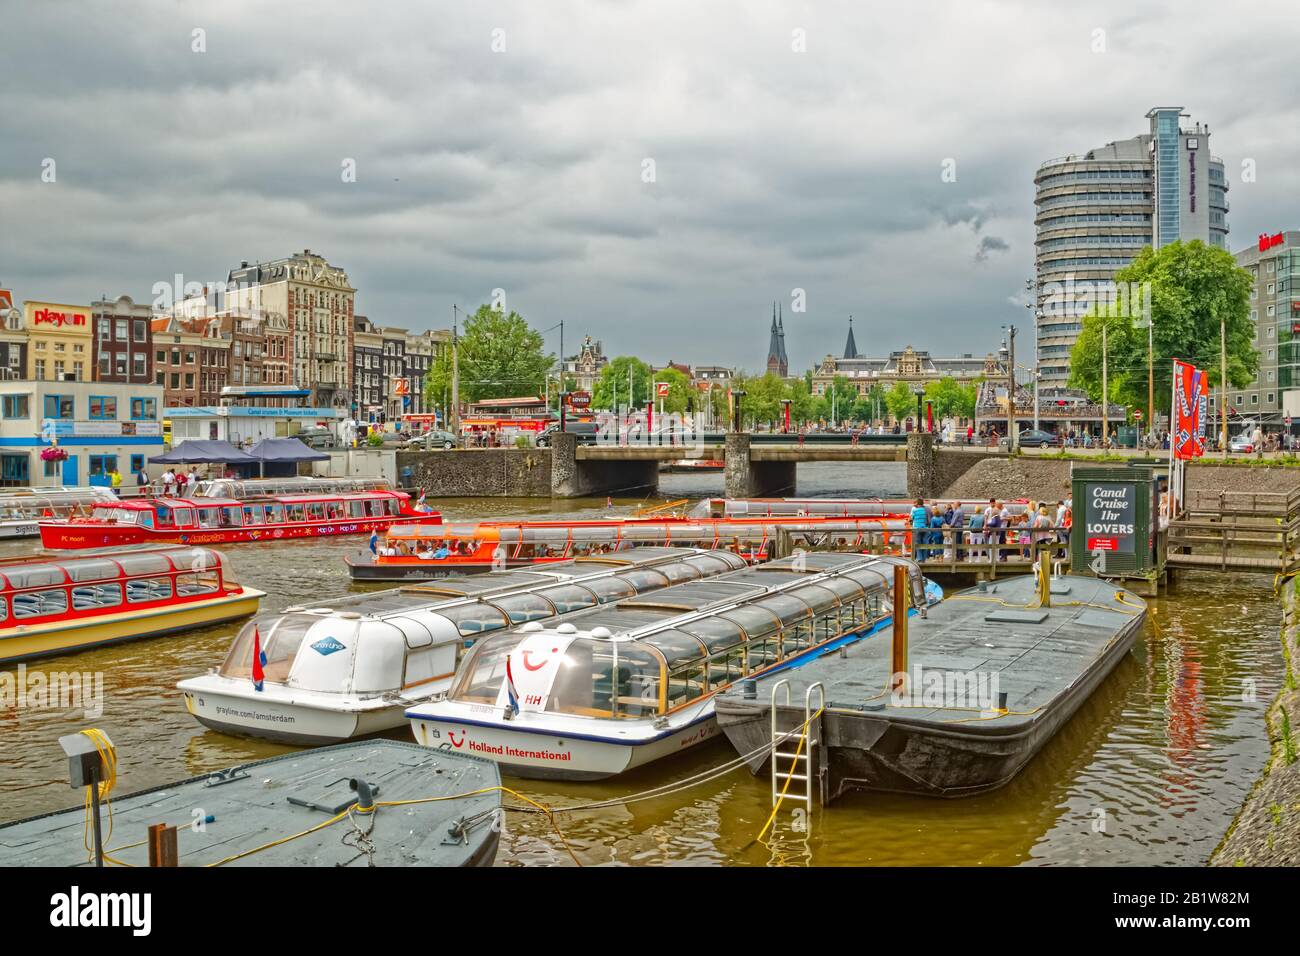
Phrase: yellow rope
(107, 760)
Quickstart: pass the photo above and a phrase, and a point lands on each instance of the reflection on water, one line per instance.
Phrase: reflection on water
(1149, 771)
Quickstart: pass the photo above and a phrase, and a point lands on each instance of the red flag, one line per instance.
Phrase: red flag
(259, 660)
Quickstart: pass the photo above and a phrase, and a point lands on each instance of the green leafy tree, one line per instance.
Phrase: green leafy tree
(950, 398)
(611, 388)
(680, 398)
(901, 401)
(871, 405)
(802, 401)
(1194, 288)
(501, 356)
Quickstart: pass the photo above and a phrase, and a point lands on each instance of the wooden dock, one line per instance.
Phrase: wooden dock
(1237, 531)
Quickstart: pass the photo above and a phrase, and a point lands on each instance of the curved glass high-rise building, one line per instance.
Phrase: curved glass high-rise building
(1095, 211)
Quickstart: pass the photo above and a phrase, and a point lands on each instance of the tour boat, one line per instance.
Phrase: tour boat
(428, 551)
(828, 507)
(337, 671)
(206, 520)
(21, 509)
(612, 688)
(305, 485)
(56, 605)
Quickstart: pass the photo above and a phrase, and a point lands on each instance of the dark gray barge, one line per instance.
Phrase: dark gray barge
(220, 817)
(991, 680)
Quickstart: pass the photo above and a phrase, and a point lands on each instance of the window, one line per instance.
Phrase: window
(58, 406)
(120, 360)
(143, 590)
(103, 407)
(41, 603)
(137, 365)
(88, 596)
(101, 465)
(14, 470)
(137, 463)
(144, 409)
(104, 359)
(16, 406)
(140, 331)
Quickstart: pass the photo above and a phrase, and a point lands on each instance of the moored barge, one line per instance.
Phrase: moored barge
(991, 676)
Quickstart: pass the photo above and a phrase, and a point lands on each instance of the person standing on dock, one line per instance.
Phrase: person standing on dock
(920, 526)
(957, 519)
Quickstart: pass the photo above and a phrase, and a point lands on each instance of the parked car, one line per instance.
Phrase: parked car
(430, 440)
(1241, 445)
(1033, 438)
(586, 432)
(318, 437)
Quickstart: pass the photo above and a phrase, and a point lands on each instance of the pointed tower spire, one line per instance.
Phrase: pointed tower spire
(850, 347)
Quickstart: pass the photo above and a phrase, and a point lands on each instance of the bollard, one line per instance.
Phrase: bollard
(898, 665)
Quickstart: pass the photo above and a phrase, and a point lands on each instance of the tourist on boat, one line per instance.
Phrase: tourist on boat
(920, 521)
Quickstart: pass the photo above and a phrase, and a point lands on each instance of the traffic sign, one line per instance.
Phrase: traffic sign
(661, 389)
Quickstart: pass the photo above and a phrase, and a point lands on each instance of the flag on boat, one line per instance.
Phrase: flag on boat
(512, 695)
(259, 660)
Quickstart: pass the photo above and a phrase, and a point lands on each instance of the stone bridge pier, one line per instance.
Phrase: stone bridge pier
(747, 478)
(574, 477)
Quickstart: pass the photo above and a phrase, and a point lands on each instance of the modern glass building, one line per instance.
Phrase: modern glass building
(1095, 211)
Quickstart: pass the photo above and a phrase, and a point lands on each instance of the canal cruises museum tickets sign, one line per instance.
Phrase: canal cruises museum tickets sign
(1110, 516)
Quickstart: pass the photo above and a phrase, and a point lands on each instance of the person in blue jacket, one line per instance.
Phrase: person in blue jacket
(920, 520)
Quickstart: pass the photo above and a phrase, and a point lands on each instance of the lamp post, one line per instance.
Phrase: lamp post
(1013, 437)
(919, 392)
(737, 394)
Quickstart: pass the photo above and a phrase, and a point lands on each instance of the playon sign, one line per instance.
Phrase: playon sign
(58, 319)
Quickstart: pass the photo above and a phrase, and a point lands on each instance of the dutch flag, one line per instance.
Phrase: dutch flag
(512, 695)
(259, 660)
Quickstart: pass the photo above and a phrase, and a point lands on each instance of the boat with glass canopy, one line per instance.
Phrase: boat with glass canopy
(605, 690)
(55, 605)
(209, 520)
(21, 509)
(427, 551)
(352, 666)
(826, 507)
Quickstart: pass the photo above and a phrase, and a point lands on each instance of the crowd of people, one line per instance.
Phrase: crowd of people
(989, 533)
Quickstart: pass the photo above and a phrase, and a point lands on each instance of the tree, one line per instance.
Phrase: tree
(1193, 287)
(901, 401)
(680, 398)
(500, 356)
(871, 404)
(611, 388)
(951, 399)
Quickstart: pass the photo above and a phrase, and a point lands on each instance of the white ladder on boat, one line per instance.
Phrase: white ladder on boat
(800, 759)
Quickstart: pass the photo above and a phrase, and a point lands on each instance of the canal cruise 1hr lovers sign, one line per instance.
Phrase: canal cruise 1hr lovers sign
(1109, 513)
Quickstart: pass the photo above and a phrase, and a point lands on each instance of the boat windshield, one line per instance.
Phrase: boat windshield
(281, 637)
(115, 515)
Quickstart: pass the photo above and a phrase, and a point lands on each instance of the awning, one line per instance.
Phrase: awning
(196, 451)
(286, 450)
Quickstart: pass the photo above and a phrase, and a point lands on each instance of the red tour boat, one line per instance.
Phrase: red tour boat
(205, 520)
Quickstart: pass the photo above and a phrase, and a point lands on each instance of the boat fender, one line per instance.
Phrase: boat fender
(365, 795)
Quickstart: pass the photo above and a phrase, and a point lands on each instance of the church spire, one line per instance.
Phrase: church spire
(777, 363)
(850, 347)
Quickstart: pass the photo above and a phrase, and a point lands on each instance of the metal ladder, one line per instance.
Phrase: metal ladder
(801, 756)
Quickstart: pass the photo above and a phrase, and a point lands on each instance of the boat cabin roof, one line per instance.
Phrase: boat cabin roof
(28, 572)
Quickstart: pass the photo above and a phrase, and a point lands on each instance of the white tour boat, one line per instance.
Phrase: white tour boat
(613, 688)
(23, 509)
(350, 668)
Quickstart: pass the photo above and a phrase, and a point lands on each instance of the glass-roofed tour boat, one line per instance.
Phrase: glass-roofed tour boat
(427, 551)
(51, 605)
(21, 509)
(351, 667)
(256, 511)
(603, 691)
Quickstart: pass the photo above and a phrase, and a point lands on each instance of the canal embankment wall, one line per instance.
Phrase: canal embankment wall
(1266, 831)
(479, 472)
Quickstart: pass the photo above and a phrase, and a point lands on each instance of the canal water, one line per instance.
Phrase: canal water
(1150, 771)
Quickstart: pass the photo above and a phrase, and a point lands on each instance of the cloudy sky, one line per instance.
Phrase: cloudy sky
(654, 173)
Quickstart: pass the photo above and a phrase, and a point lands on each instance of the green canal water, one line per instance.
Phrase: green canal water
(1150, 771)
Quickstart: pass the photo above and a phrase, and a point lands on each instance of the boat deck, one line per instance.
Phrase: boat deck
(261, 802)
(1036, 654)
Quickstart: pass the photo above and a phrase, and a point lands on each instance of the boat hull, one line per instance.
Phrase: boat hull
(25, 643)
(284, 721)
(548, 754)
(364, 570)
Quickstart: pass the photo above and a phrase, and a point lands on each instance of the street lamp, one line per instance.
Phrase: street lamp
(737, 394)
(1009, 351)
(919, 392)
